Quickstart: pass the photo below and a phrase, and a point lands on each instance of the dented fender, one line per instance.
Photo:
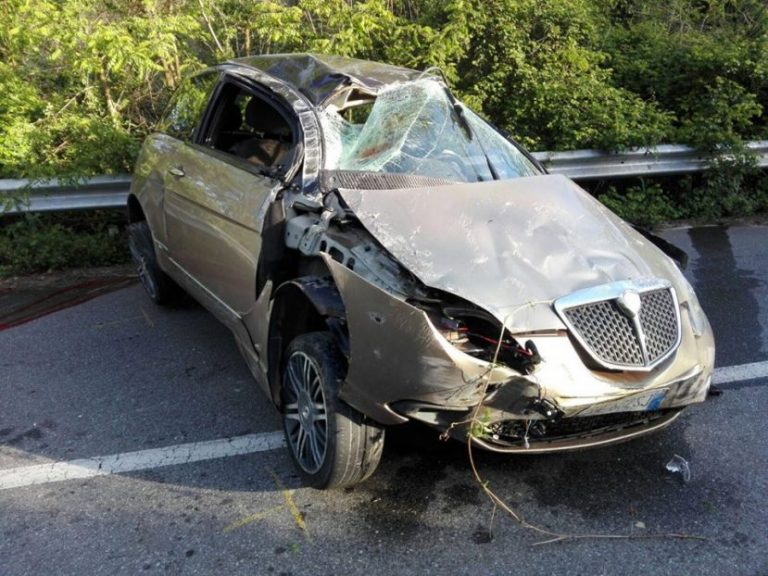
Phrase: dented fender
(320, 291)
(397, 354)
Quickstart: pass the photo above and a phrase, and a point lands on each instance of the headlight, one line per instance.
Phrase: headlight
(477, 334)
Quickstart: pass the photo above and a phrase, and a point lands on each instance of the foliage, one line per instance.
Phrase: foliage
(86, 80)
(705, 62)
(535, 69)
(644, 204)
(733, 186)
(83, 81)
(35, 243)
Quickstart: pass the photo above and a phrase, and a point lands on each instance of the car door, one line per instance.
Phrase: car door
(218, 193)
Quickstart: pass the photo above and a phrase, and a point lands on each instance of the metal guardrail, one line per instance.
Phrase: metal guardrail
(665, 160)
(53, 195)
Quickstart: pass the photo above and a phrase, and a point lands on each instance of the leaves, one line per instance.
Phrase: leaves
(84, 81)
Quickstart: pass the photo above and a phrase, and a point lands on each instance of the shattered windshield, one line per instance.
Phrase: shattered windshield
(413, 128)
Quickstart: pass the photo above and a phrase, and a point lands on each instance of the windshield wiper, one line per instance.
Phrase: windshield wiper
(458, 111)
(466, 127)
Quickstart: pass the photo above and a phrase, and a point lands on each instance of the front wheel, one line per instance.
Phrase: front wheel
(332, 444)
(158, 285)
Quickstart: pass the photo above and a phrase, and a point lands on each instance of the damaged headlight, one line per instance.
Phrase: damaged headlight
(479, 335)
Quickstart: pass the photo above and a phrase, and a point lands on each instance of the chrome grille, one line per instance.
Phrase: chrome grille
(658, 317)
(608, 332)
(630, 325)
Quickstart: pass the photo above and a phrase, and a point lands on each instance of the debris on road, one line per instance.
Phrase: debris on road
(679, 465)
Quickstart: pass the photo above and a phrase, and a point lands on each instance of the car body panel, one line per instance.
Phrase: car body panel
(212, 223)
(397, 354)
(428, 369)
(321, 77)
(148, 183)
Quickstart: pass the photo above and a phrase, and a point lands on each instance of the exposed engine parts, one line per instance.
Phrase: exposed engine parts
(477, 333)
(330, 229)
(327, 229)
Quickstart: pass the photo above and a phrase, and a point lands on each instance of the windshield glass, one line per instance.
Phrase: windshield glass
(412, 128)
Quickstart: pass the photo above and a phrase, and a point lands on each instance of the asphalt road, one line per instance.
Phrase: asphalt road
(117, 375)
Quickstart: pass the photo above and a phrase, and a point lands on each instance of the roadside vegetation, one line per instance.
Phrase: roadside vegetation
(40, 242)
(83, 81)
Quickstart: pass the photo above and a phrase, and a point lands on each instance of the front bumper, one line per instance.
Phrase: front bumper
(600, 431)
(402, 368)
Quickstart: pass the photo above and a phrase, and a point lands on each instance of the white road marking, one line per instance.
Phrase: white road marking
(140, 460)
(209, 450)
(741, 372)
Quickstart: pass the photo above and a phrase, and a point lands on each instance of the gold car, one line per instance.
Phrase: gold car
(382, 254)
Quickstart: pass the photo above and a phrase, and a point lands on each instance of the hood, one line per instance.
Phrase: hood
(506, 244)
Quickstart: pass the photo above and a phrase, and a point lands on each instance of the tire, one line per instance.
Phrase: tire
(332, 444)
(158, 285)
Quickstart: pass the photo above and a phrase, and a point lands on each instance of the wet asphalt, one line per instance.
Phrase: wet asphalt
(116, 374)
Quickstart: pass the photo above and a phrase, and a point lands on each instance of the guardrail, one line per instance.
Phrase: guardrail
(54, 195)
(664, 160)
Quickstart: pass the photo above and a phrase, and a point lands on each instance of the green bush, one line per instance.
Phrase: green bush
(733, 186)
(37, 243)
(536, 69)
(703, 62)
(645, 204)
(84, 81)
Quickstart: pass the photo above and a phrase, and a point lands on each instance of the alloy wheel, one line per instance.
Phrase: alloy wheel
(305, 412)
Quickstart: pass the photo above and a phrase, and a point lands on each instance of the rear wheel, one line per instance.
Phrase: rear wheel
(158, 285)
(331, 443)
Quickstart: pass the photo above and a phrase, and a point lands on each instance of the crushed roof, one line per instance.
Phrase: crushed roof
(318, 76)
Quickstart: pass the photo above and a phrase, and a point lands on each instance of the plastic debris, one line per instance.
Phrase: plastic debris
(714, 391)
(679, 465)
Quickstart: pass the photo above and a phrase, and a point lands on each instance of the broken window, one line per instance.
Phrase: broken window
(413, 128)
(187, 105)
(247, 126)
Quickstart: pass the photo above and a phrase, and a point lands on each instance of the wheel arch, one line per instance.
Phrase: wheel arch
(135, 211)
(302, 305)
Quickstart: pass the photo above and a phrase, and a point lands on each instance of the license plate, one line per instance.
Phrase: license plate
(647, 401)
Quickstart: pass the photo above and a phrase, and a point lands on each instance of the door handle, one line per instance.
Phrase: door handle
(178, 172)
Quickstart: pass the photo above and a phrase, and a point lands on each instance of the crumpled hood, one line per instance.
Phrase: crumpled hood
(505, 244)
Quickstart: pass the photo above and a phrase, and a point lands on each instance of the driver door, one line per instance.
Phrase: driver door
(216, 200)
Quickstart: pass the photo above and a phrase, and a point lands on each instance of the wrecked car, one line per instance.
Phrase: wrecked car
(383, 255)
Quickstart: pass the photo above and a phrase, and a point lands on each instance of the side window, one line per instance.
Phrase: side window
(187, 106)
(250, 127)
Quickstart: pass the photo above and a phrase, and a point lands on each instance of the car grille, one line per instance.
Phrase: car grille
(619, 339)
(659, 320)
